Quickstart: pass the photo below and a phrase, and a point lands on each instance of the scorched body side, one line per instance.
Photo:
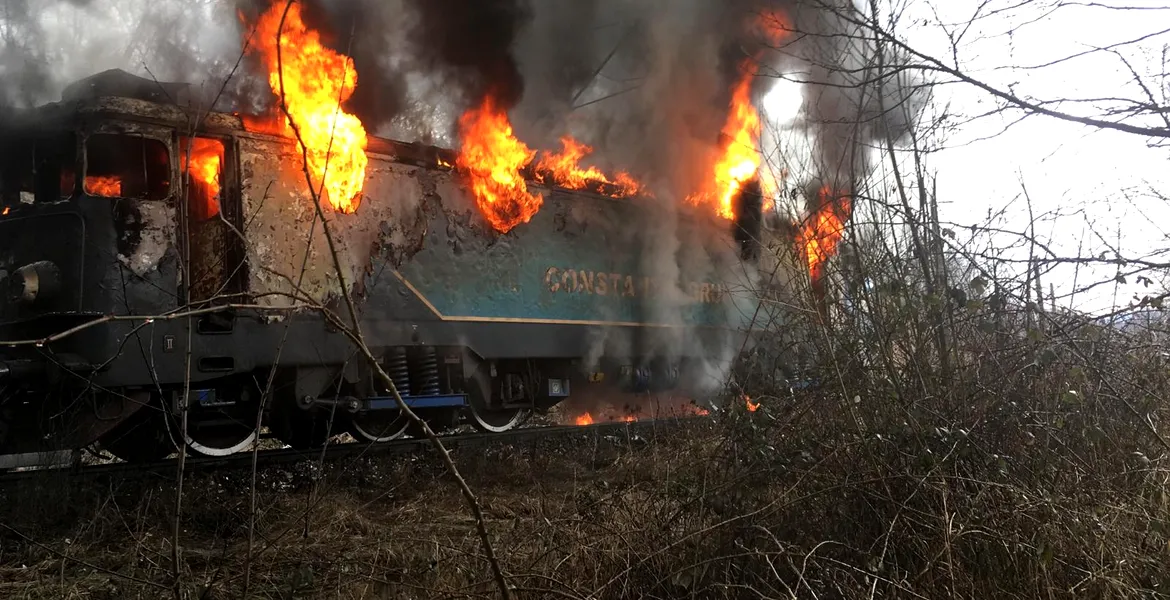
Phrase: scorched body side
(423, 262)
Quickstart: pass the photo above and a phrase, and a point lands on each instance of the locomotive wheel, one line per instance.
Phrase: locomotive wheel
(379, 426)
(144, 437)
(220, 438)
(484, 417)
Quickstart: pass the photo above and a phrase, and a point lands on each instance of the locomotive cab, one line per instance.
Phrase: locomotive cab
(103, 219)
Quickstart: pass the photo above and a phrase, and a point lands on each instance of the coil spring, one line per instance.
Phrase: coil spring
(399, 371)
(428, 372)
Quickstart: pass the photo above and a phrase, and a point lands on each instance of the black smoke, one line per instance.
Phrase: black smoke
(648, 82)
(469, 46)
(462, 49)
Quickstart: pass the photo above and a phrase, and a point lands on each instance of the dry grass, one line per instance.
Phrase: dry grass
(781, 503)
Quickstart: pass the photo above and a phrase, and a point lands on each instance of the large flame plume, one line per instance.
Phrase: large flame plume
(739, 160)
(741, 156)
(316, 81)
(492, 157)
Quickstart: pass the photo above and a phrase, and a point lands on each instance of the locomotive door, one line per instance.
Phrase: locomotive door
(212, 246)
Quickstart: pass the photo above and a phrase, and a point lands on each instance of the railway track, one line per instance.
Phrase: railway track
(265, 458)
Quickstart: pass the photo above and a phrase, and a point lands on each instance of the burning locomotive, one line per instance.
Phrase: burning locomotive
(167, 273)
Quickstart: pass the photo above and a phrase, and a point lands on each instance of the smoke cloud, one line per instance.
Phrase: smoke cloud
(48, 44)
(646, 83)
(468, 47)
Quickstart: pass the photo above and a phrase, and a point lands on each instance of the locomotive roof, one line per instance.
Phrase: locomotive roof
(118, 94)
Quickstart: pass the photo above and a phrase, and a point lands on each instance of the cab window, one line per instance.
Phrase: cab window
(127, 166)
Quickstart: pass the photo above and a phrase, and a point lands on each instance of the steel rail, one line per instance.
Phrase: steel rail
(332, 452)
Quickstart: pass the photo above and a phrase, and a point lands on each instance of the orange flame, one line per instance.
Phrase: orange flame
(6, 209)
(629, 186)
(588, 419)
(824, 229)
(204, 167)
(772, 27)
(564, 170)
(740, 158)
(751, 406)
(106, 186)
(492, 157)
(770, 187)
(316, 81)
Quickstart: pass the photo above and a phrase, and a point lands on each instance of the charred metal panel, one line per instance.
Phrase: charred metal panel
(116, 82)
(149, 112)
(135, 241)
(288, 253)
(54, 237)
(389, 226)
(146, 232)
(208, 250)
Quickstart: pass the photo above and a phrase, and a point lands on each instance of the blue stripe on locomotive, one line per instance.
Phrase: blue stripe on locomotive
(578, 260)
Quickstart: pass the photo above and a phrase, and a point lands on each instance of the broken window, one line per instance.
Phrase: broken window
(203, 176)
(209, 238)
(127, 166)
(40, 168)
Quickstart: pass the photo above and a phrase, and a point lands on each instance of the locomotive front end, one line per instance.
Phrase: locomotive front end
(43, 280)
(90, 250)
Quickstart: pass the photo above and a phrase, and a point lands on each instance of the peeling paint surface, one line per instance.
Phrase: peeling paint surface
(288, 253)
(146, 233)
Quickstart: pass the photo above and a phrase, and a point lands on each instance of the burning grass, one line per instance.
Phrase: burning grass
(588, 406)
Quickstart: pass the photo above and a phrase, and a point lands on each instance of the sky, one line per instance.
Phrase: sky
(1093, 186)
(1090, 189)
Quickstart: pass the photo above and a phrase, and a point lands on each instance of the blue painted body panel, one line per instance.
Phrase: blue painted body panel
(382, 403)
(582, 259)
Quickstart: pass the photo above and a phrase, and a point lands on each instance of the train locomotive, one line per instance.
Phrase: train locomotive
(142, 301)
